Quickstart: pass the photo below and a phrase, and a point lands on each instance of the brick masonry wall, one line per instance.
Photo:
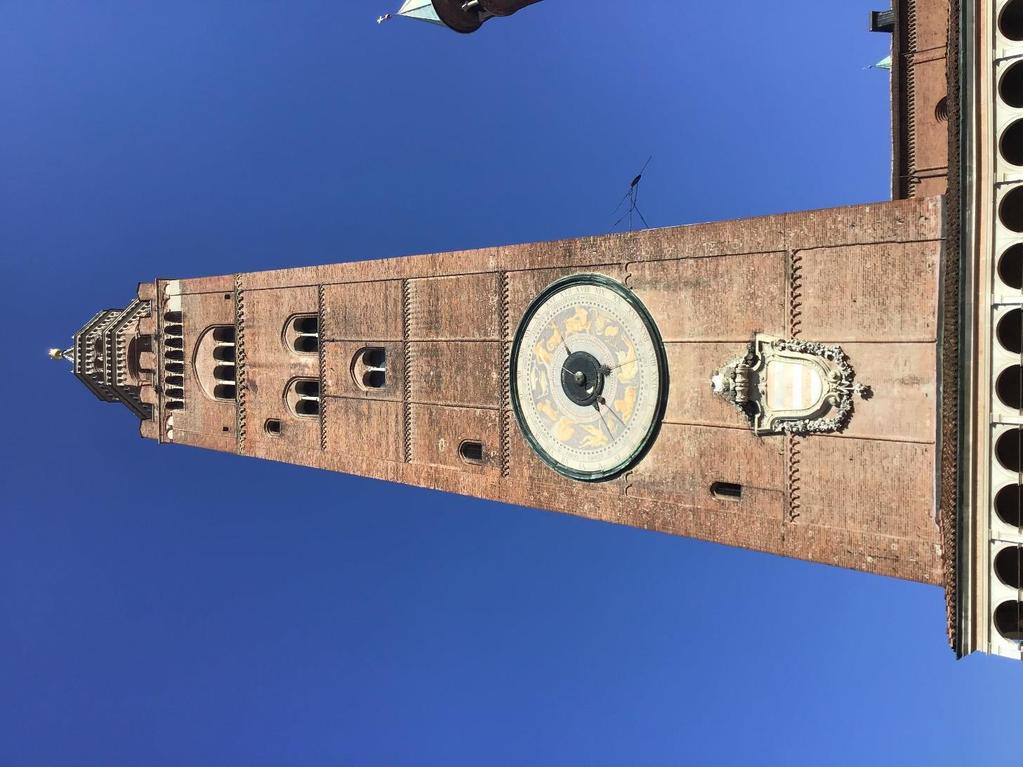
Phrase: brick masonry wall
(920, 117)
(864, 277)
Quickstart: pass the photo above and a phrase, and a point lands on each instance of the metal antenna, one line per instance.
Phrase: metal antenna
(632, 195)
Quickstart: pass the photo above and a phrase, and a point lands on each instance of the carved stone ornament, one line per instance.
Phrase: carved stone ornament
(790, 387)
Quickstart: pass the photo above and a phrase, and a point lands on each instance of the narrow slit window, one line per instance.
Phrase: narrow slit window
(726, 491)
(471, 451)
(173, 348)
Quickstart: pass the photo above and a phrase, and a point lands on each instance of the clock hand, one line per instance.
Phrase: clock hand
(596, 406)
(621, 364)
(611, 410)
(562, 336)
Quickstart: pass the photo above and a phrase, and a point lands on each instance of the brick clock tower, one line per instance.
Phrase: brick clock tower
(841, 386)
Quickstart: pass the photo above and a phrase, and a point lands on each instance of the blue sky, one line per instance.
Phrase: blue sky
(166, 606)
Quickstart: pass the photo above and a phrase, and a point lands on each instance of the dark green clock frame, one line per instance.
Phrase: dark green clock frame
(662, 375)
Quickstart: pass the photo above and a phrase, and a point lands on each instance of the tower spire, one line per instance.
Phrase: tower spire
(68, 355)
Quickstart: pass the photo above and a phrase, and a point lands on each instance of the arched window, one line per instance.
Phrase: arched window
(369, 368)
(1009, 620)
(224, 352)
(1009, 566)
(137, 346)
(215, 363)
(302, 333)
(1008, 504)
(224, 372)
(173, 361)
(303, 397)
(223, 334)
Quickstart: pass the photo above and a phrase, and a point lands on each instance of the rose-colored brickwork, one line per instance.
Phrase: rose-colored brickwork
(438, 329)
(919, 98)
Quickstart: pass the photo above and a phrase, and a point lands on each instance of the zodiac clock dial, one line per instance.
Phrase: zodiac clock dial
(588, 377)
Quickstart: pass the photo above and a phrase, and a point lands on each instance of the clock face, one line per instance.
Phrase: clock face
(588, 377)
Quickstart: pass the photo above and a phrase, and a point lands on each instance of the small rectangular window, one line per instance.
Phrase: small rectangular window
(471, 451)
(726, 491)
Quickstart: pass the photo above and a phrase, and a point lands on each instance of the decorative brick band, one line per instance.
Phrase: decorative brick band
(795, 294)
(241, 372)
(322, 352)
(910, 87)
(503, 309)
(794, 459)
(406, 333)
(950, 394)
